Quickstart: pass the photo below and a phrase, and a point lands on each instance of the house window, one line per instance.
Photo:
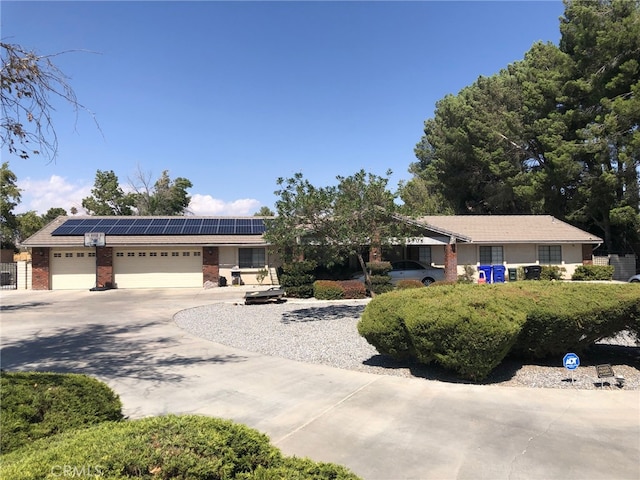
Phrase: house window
(175, 254)
(142, 254)
(91, 254)
(164, 254)
(80, 254)
(196, 254)
(491, 255)
(424, 255)
(119, 254)
(153, 254)
(131, 254)
(68, 255)
(57, 255)
(186, 254)
(251, 257)
(550, 254)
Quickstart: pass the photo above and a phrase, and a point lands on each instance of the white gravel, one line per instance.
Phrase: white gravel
(325, 332)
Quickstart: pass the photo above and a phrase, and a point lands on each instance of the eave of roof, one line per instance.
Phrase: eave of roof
(504, 229)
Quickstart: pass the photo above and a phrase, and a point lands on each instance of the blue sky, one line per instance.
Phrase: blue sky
(233, 95)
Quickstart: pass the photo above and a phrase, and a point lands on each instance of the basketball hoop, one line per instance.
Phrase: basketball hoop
(94, 239)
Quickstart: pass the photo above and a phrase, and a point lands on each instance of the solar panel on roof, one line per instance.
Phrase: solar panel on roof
(160, 226)
(175, 226)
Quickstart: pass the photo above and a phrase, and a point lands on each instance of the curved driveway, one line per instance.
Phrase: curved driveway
(381, 427)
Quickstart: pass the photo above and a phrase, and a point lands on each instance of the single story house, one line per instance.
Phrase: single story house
(83, 252)
(456, 241)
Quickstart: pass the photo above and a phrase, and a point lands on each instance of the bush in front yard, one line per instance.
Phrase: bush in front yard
(327, 290)
(383, 325)
(570, 317)
(403, 284)
(353, 289)
(189, 446)
(469, 329)
(552, 272)
(593, 272)
(297, 279)
(37, 404)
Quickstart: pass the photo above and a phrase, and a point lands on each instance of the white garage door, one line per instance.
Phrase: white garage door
(73, 269)
(157, 268)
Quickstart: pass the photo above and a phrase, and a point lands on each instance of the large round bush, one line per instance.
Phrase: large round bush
(167, 447)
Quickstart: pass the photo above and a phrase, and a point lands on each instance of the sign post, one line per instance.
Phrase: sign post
(571, 361)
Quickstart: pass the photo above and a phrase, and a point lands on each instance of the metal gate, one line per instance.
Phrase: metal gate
(8, 276)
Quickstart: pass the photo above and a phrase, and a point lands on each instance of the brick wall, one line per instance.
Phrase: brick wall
(450, 263)
(104, 259)
(40, 273)
(210, 264)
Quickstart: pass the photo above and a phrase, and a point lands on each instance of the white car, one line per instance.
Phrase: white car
(635, 278)
(412, 270)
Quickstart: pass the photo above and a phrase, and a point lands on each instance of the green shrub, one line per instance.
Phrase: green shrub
(402, 284)
(570, 317)
(168, 447)
(383, 325)
(468, 275)
(327, 290)
(353, 289)
(593, 272)
(469, 329)
(37, 405)
(297, 278)
(381, 284)
(552, 272)
(379, 268)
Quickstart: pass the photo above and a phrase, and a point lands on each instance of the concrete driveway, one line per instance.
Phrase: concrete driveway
(381, 427)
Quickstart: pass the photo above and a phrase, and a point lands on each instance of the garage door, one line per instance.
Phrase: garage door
(73, 269)
(148, 268)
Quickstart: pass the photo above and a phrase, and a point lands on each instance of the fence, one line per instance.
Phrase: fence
(8, 276)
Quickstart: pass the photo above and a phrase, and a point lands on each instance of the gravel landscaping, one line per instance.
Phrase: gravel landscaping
(324, 332)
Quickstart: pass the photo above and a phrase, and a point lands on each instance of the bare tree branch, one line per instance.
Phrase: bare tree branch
(28, 82)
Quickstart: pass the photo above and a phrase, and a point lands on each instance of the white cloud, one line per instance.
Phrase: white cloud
(41, 195)
(207, 205)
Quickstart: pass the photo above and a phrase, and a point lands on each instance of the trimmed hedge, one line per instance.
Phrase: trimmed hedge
(469, 329)
(338, 290)
(327, 290)
(402, 284)
(593, 272)
(38, 404)
(297, 279)
(168, 447)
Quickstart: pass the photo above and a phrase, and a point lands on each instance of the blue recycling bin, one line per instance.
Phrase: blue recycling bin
(487, 272)
(498, 273)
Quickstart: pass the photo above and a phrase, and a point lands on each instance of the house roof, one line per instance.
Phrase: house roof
(46, 237)
(501, 229)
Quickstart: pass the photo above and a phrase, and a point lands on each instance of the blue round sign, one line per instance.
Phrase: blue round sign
(571, 361)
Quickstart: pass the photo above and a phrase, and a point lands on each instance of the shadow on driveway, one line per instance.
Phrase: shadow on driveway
(104, 351)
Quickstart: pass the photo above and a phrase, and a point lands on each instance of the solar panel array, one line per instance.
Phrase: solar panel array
(162, 226)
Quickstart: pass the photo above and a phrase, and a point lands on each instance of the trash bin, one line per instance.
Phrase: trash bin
(532, 272)
(513, 274)
(498, 273)
(222, 281)
(236, 279)
(5, 278)
(486, 269)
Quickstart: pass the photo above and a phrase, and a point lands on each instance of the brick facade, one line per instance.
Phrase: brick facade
(40, 272)
(450, 263)
(104, 266)
(210, 265)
